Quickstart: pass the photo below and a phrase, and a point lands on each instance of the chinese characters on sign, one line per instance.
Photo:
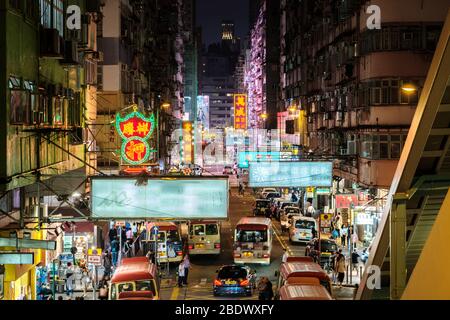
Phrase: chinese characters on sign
(135, 129)
(188, 142)
(240, 111)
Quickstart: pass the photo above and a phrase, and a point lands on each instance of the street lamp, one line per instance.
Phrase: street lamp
(409, 88)
(264, 116)
(292, 109)
(165, 105)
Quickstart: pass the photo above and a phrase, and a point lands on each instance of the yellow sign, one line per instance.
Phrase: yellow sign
(310, 189)
(95, 252)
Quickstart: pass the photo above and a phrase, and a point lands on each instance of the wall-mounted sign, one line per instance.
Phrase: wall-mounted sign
(346, 200)
(240, 111)
(323, 191)
(245, 157)
(188, 142)
(135, 129)
(159, 198)
(290, 174)
(203, 111)
(16, 258)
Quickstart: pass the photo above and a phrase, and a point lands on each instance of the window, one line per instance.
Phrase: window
(382, 146)
(57, 111)
(15, 4)
(212, 229)
(251, 236)
(52, 14)
(198, 230)
(18, 105)
(146, 285)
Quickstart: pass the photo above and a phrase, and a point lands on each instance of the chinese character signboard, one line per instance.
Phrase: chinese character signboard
(188, 142)
(240, 111)
(135, 129)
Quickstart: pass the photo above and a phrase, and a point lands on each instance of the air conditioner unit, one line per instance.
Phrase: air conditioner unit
(94, 6)
(51, 44)
(70, 53)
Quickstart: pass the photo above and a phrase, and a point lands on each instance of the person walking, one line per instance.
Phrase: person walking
(70, 271)
(150, 256)
(187, 266)
(269, 289)
(115, 251)
(262, 288)
(181, 271)
(340, 268)
(103, 288)
(85, 280)
(344, 235)
(107, 263)
(355, 261)
(241, 189)
(128, 248)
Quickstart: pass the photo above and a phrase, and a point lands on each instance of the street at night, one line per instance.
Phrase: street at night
(221, 158)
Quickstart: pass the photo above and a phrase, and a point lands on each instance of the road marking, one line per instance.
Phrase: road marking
(175, 292)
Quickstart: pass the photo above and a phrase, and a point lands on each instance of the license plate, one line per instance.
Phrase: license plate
(230, 282)
(199, 245)
(248, 254)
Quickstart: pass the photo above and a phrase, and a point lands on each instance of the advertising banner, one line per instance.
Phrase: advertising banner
(290, 174)
(245, 157)
(159, 198)
(240, 111)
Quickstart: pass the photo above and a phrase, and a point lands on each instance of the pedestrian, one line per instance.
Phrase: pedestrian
(107, 263)
(181, 271)
(333, 266)
(262, 288)
(187, 266)
(85, 280)
(344, 235)
(112, 234)
(294, 197)
(269, 289)
(128, 248)
(241, 188)
(310, 211)
(355, 239)
(70, 271)
(340, 268)
(285, 256)
(60, 298)
(150, 256)
(103, 288)
(115, 251)
(355, 261)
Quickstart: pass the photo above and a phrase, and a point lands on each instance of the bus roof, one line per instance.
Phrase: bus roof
(299, 259)
(254, 221)
(304, 292)
(302, 269)
(163, 226)
(133, 269)
(204, 222)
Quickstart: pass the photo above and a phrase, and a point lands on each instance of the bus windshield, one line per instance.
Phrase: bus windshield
(251, 236)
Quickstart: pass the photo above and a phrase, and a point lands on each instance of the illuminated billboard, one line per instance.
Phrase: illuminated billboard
(240, 111)
(122, 198)
(188, 143)
(290, 174)
(245, 157)
(203, 111)
(135, 129)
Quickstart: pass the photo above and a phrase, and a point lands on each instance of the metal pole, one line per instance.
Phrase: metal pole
(94, 283)
(120, 246)
(54, 280)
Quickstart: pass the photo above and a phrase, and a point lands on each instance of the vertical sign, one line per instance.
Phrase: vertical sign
(203, 111)
(240, 111)
(188, 142)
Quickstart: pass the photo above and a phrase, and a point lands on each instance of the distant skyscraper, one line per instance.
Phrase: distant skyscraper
(228, 31)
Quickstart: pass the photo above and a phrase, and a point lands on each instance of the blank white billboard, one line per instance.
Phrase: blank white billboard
(159, 198)
(290, 174)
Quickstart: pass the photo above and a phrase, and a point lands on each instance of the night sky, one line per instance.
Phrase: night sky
(210, 14)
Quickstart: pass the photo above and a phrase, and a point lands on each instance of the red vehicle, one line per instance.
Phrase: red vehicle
(299, 272)
(304, 292)
(136, 278)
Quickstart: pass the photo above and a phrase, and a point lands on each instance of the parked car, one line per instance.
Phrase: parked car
(287, 215)
(234, 280)
(265, 191)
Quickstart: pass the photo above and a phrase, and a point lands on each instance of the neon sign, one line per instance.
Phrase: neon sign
(240, 111)
(135, 129)
(188, 142)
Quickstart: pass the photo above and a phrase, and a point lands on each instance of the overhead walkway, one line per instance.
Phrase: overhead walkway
(415, 222)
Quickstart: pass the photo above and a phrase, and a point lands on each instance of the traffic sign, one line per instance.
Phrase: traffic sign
(95, 252)
(95, 260)
(155, 230)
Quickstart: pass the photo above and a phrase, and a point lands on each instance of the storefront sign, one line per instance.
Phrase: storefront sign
(95, 260)
(290, 174)
(323, 191)
(325, 223)
(135, 129)
(364, 219)
(346, 200)
(240, 111)
(159, 197)
(188, 142)
(245, 157)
